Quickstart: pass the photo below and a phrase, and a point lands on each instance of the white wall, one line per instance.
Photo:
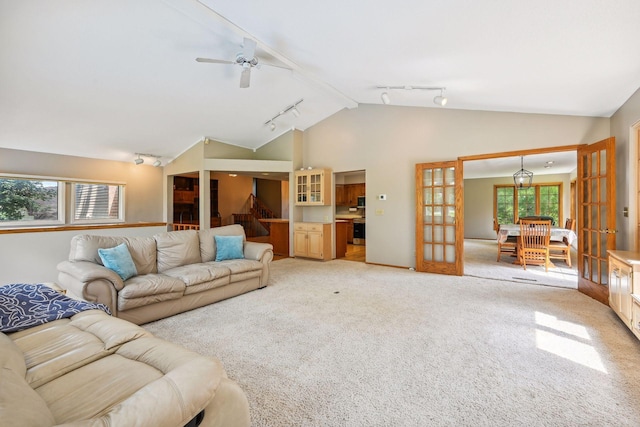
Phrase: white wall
(388, 141)
(33, 257)
(622, 123)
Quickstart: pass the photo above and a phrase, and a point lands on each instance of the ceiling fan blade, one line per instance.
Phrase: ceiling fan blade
(214, 61)
(245, 77)
(248, 48)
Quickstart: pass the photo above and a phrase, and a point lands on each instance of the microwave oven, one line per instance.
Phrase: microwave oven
(361, 201)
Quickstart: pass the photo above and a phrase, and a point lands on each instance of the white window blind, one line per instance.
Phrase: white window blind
(97, 202)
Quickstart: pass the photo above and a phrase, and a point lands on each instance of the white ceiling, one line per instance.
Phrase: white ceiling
(108, 78)
(539, 164)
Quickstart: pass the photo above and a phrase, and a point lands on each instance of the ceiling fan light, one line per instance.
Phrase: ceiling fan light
(385, 98)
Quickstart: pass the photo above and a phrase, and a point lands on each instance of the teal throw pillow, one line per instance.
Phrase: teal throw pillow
(119, 260)
(228, 247)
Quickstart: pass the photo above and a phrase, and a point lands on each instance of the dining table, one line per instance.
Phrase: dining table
(557, 233)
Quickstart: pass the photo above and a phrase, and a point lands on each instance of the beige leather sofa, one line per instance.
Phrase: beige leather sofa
(176, 272)
(96, 370)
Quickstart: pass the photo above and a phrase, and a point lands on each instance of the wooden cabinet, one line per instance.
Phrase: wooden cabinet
(313, 187)
(341, 195)
(312, 240)
(624, 287)
(347, 194)
(341, 238)
(183, 196)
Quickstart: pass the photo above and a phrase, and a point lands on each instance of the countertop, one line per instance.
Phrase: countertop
(283, 220)
(348, 216)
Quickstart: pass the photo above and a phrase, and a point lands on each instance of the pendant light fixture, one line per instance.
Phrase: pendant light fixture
(523, 177)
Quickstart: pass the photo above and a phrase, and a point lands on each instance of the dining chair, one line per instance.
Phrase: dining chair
(562, 250)
(509, 246)
(534, 243)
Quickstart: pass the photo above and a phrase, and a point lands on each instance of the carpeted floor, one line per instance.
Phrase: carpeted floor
(341, 343)
(480, 261)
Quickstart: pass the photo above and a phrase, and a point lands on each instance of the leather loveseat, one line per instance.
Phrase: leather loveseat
(175, 271)
(96, 370)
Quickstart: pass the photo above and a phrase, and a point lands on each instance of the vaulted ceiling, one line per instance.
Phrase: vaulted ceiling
(109, 78)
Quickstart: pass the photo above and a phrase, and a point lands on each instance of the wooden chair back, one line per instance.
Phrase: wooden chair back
(570, 224)
(534, 242)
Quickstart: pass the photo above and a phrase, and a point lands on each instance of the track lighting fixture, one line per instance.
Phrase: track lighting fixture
(139, 160)
(291, 108)
(438, 100)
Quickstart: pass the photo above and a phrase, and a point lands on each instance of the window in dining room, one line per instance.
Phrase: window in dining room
(511, 203)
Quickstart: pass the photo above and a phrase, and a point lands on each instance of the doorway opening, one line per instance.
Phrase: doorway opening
(350, 215)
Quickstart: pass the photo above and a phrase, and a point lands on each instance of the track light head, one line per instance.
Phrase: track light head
(385, 98)
(157, 163)
(272, 126)
(138, 161)
(295, 112)
(440, 100)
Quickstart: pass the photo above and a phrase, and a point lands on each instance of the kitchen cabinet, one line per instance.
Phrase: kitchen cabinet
(312, 240)
(353, 192)
(624, 287)
(341, 238)
(341, 195)
(313, 187)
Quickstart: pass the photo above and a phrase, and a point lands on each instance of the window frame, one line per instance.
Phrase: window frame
(537, 200)
(39, 223)
(72, 205)
(66, 202)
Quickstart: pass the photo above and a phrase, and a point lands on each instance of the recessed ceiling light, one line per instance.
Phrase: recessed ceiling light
(233, 174)
(550, 162)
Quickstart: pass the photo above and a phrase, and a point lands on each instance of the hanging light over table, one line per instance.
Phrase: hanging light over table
(523, 177)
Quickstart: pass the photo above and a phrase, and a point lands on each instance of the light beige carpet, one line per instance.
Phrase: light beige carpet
(342, 343)
(480, 261)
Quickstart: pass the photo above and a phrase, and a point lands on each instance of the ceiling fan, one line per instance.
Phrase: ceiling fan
(246, 59)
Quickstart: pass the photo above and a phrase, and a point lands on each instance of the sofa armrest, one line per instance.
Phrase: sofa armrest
(85, 272)
(91, 282)
(262, 252)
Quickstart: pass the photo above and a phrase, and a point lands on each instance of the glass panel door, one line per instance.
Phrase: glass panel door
(439, 232)
(596, 217)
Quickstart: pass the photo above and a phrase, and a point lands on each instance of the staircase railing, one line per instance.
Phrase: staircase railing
(254, 210)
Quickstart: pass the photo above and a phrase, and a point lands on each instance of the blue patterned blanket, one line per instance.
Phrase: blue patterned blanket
(23, 306)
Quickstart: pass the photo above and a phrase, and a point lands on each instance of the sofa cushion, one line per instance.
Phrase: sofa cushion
(119, 260)
(20, 405)
(242, 269)
(85, 247)
(149, 289)
(176, 248)
(228, 247)
(11, 357)
(207, 239)
(194, 274)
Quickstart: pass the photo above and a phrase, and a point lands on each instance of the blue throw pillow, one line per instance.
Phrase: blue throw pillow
(119, 260)
(228, 247)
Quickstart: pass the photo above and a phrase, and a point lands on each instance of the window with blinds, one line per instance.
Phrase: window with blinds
(97, 202)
